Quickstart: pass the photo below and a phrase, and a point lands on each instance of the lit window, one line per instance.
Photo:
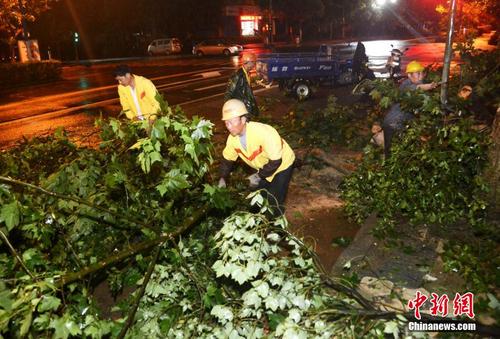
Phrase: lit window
(249, 25)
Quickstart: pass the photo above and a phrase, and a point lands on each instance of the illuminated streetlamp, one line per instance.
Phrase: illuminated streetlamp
(381, 3)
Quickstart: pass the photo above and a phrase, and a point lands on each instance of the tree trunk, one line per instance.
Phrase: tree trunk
(493, 174)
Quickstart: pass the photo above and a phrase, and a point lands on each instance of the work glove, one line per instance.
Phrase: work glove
(254, 180)
(222, 183)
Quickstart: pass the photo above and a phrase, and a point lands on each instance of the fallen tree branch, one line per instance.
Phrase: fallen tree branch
(15, 254)
(326, 277)
(139, 247)
(140, 293)
(128, 219)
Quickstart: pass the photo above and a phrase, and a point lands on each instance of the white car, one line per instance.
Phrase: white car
(216, 47)
(165, 46)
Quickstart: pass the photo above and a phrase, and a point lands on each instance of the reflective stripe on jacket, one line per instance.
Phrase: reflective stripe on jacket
(263, 144)
(146, 96)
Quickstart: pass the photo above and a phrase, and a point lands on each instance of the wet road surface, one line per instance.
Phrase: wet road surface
(86, 92)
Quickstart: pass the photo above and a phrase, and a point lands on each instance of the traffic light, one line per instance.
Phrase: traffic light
(76, 38)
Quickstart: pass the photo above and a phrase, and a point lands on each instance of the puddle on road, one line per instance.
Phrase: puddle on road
(328, 231)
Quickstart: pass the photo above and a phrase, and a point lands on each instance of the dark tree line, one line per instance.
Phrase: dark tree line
(122, 27)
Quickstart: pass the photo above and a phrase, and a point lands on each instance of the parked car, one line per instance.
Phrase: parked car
(215, 47)
(165, 46)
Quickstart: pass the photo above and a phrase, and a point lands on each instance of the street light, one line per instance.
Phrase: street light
(382, 3)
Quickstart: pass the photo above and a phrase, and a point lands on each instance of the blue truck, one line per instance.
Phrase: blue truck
(297, 73)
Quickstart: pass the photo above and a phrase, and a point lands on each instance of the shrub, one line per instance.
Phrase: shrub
(15, 74)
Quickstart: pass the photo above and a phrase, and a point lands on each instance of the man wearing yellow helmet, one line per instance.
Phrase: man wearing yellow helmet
(239, 86)
(415, 72)
(260, 147)
(396, 120)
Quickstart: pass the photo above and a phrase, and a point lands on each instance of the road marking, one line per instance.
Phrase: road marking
(213, 74)
(60, 112)
(105, 102)
(98, 89)
(208, 87)
(173, 84)
(218, 95)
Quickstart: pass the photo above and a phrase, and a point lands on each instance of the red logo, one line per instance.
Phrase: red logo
(462, 304)
(439, 304)
(143, 94)
(416, 303)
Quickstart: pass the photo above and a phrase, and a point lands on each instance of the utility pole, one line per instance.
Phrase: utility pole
(448, 53)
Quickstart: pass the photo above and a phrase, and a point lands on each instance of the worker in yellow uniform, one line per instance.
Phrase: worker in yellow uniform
(260, 147)
(137, 95)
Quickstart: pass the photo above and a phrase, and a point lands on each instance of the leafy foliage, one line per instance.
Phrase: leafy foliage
(435, 180)
(334, 124)
(12, 15)
(476, 262)
(64, 208)
(261, 282)
(73, 217)
(435, 174)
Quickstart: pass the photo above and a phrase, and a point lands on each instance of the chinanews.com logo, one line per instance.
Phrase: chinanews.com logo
(463, 305)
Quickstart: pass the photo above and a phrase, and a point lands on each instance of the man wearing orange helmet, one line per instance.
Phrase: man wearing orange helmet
(239, 85)
(396, 120)
(260, 147)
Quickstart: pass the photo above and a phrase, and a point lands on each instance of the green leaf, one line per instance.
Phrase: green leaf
(223, 313)
(26, 323)
(10, 214)
(275, 319)
(391, 327)
(49, 303)
(173, 181)
(158, 130)
(64, 326)
(190, 149)
(6, 300)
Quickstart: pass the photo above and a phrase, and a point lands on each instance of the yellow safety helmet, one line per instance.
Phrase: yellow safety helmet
(248, 57)
(414, 66)
(233, 108)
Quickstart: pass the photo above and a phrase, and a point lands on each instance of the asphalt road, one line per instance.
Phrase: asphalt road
(86, 92)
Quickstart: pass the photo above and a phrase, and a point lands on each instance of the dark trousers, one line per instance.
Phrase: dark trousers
(276, 190)
(388, 135)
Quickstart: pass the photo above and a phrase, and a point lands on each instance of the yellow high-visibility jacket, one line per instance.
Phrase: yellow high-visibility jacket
(146, 93)
(263, 144)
